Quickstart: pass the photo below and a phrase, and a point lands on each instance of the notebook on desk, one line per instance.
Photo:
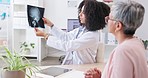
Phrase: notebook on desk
(52, 72)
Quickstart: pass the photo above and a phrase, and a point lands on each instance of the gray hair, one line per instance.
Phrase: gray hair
(130, 14)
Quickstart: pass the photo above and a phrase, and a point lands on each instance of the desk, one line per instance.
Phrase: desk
(77, 71)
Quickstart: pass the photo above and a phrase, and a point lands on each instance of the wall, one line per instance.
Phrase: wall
(143, 30)
(58, 12)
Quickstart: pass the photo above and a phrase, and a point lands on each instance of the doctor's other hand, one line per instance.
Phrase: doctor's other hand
(48, 22)
(40, 33)
(93, 73)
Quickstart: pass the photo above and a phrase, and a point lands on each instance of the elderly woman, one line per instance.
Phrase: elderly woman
(128, 59)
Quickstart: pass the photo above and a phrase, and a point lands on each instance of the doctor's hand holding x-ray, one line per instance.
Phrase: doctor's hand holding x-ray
(41, 33)
(80, 44)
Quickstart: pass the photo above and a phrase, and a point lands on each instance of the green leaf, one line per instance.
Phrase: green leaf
(17, 62)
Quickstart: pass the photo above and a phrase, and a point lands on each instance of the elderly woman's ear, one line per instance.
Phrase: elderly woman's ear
(118, 25)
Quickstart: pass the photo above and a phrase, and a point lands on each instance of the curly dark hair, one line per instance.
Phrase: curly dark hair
(80, 8)
(95, 13)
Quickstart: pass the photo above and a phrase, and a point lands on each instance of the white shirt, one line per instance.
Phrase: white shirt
(81, 49)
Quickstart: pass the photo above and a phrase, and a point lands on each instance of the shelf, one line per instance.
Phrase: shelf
(16, 16)
(29, 55)
(23, 2)
(22, 32)
(20, 14)
(20, 28)
(40, 37)
(19, 8)
(4, 54)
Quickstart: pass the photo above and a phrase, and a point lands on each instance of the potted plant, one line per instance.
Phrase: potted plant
(26, 47)
(17, 66)
(145, 42)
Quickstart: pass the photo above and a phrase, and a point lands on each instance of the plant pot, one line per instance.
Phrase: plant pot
(14, 74)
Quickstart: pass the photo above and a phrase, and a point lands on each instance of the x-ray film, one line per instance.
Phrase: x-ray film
(35, 15)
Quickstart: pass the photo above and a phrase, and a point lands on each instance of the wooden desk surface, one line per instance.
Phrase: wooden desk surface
(77, 71)
(84, 67)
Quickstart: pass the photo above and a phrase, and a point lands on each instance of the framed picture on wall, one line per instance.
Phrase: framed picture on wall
(4, 1)
(4, 23)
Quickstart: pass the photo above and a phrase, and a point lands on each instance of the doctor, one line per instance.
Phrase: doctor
(81, 43)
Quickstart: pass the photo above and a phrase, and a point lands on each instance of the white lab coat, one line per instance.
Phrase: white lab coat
(80, 50)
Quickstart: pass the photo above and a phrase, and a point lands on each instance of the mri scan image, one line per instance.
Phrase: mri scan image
(35, 15)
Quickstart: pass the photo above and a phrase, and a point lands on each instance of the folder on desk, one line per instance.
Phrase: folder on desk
(70, 74)
(53, 72)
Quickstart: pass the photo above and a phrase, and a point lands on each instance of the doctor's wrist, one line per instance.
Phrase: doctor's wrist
(52, 25)
(46, 36)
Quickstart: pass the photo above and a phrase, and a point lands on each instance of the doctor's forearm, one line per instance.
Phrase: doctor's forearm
(60, 34)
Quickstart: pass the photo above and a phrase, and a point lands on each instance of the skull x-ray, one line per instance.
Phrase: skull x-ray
(35, 15)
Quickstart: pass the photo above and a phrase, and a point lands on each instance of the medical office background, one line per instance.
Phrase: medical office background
(14, 28)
